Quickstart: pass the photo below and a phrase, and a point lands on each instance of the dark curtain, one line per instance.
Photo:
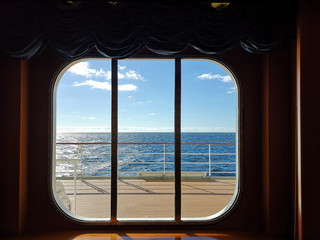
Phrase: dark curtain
(121, 29)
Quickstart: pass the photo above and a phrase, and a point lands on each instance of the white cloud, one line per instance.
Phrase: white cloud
(120, 75)
(83, 69)
(232, 90)
(226, 79)
(108, 75)
(100, 73)
(144, 102)
(152, 114)
(127, 87)
(210, 76)
(90, 118)
(131, 74)
(130, 96)
(94, 84)
(105, 85)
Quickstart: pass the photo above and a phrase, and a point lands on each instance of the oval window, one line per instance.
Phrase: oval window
(145, 140)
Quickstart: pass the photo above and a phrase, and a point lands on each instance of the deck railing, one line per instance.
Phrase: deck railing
(75, 160)
(71, 163)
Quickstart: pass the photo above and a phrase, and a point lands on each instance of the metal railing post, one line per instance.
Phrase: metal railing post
(80, 153)
(75, 187)
(209, 160)
(164, 159)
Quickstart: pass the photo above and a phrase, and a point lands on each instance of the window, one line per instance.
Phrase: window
(145, 140)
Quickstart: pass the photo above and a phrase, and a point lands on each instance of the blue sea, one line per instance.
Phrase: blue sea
(94, 159)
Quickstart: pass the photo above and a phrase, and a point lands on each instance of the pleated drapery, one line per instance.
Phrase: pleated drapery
(121, 29)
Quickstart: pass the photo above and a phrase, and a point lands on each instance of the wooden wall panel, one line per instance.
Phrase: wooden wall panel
(9, 144)
(278, 147)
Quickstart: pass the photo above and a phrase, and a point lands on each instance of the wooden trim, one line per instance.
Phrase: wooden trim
(23, 181)
(298, 181)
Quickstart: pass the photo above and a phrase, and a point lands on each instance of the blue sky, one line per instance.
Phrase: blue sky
(146, 97)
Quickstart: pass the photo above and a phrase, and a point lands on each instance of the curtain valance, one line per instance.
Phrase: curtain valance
(120, 29)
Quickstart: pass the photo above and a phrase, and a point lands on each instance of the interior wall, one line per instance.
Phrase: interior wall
(9, 143)
(266, 181)
(278, 123)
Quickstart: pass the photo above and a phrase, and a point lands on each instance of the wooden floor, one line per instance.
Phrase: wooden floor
(139, 198)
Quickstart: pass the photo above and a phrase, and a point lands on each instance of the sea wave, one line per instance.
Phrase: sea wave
(95, 159)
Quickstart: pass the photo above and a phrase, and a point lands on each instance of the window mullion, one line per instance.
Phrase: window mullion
(177, 130)
(114, 138)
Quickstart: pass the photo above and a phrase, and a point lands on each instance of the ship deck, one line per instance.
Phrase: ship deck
(141, 198)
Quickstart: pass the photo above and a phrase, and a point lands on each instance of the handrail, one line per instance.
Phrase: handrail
(164, 172)
(140, 143)
(82, 153)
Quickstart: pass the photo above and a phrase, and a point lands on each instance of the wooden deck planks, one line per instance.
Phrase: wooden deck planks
(139, 198)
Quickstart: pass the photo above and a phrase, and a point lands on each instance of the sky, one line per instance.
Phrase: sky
(146, 97)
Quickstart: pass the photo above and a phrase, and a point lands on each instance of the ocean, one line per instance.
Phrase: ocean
(153, 152)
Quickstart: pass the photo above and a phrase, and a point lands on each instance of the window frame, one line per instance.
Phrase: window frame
(221, 215)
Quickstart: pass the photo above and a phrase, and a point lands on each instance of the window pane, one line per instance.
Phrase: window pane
(209, 126)
(145, 151)
(82, 150)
